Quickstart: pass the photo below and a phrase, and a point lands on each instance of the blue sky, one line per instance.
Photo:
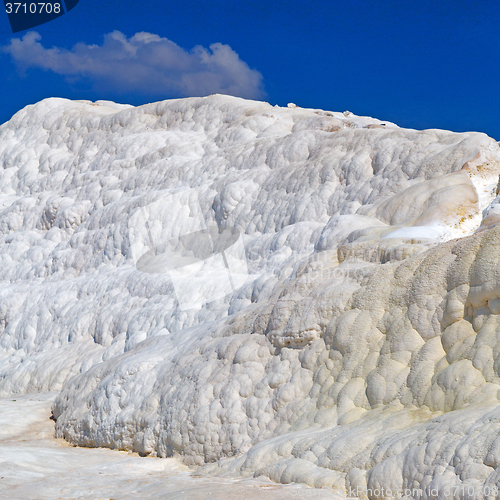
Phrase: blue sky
(425, 64)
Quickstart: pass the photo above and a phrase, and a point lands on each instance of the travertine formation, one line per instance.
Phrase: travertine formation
(343, 335)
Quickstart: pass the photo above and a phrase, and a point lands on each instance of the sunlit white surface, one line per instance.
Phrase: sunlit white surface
(34, 464)
(359, 349)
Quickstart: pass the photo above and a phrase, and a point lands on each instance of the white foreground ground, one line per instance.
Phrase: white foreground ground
(282, 294)
(36, 465)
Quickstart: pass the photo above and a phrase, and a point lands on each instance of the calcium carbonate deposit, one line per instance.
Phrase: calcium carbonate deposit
(287, 293)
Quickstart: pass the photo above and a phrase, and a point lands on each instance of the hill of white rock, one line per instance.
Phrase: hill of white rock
(304, 295)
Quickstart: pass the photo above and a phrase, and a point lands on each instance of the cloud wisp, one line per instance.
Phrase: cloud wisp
(145, 63)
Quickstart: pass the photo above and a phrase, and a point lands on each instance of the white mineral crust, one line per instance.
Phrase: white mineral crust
(341, 330)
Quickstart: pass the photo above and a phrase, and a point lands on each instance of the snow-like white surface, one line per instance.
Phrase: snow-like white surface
(334, 333)
(34, 464)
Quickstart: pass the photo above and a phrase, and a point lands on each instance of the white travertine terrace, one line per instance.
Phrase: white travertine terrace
(359, 351)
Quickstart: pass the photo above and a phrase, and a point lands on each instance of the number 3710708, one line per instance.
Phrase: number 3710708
(33, 8)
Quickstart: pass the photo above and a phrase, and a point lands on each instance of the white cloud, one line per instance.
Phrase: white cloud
(144, 63)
